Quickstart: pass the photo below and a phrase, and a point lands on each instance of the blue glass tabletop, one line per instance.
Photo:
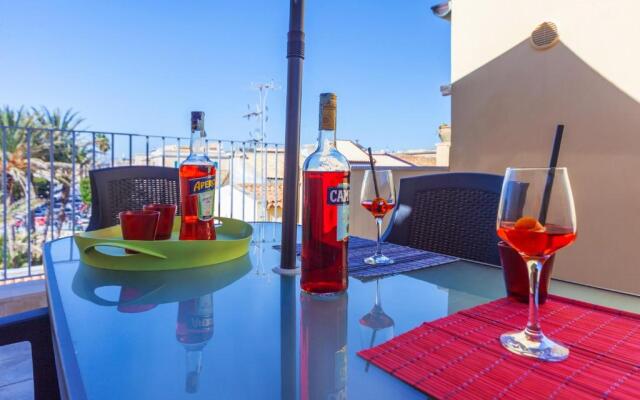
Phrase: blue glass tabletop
(239, 331)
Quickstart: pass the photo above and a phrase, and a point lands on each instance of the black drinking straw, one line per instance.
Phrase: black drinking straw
(373, 172)
(553, 163)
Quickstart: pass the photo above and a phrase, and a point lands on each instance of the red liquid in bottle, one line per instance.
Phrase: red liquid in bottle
(195, 320)
(323, 347)
(325, 232)
(378, 207)
(536, 242)
(193, 227)
(194, 330)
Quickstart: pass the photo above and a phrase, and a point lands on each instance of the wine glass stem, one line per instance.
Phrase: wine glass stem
(534, 267)
(379, 231)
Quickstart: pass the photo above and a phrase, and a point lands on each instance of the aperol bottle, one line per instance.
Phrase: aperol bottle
(325, 212)
(197, 186)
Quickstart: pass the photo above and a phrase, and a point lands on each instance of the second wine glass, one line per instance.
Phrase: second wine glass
(378, 196)
(537, 217)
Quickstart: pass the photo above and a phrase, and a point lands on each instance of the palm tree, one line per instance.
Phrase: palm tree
(37, 123)
(63, 149)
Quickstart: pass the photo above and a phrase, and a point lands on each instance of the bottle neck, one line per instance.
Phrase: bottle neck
(198, 143)
(194, 367)
(326, 140)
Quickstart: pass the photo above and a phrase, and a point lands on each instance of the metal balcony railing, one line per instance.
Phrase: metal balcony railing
(46, 195)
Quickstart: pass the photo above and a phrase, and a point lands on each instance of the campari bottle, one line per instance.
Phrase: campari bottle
(325, 213)
(197, 186)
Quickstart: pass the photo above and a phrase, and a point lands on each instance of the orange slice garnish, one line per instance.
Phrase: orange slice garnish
(528, 224)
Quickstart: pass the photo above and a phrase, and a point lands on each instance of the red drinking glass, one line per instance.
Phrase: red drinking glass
(165, 223)
(130, 294)
(138, 225)
(516, 276)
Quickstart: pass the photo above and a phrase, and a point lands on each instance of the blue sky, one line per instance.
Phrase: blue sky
(141, 66)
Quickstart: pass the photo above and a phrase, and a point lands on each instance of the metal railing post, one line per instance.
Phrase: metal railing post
(73, 182)
(52, 183)
(4, 202)
(275, 210)
(255, 181)
(244, 177)
(28, 178)
(130, 150)
(163, 152)
(233, 154)
(113, 149)
(219, 178)
(178, 153)
(93, 150)
(264, 182)
(275, 200)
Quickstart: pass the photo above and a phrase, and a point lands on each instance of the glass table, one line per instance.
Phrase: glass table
(240, 331)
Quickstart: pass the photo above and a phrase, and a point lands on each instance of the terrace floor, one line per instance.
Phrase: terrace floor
(16, 380)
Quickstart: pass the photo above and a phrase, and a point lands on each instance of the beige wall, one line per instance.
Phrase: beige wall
(508, 97)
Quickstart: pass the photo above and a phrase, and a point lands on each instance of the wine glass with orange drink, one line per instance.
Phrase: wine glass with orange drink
(536, 217)
(378, 196)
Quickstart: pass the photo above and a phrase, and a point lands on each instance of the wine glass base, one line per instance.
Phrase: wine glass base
(534, 345)
(378, 259)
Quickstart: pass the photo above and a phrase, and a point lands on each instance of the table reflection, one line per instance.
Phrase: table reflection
(141, 292)
(194, 330)
(377, 325)
(323, 346)
(288, 337)
(145, 289)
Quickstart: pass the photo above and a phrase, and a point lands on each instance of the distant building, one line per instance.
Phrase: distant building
(246, 192)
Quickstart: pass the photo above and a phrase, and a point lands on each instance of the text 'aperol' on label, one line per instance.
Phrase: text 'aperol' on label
(199, 185)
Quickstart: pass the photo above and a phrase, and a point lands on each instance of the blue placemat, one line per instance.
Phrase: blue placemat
(406, 258)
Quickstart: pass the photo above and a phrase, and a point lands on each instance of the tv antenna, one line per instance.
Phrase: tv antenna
(260, 112)
(258, 137)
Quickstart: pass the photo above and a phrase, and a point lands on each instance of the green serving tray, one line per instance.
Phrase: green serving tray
(104, 248)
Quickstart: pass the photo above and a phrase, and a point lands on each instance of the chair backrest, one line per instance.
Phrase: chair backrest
(129, 188)
(451, 213)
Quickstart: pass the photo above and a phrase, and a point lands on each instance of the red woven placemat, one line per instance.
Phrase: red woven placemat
(460, 356)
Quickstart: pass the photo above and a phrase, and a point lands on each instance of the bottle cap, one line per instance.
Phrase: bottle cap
(197, 122)
(328, 110)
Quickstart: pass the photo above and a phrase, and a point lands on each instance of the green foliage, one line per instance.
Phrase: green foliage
(42, 187)
(102, 143)
(85, 190)
(50, 136)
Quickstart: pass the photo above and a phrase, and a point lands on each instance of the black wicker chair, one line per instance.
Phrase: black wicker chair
(129, 188)
(451, 213)
(34, 327)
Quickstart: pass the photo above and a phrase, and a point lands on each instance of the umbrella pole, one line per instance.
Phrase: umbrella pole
(295, 58)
